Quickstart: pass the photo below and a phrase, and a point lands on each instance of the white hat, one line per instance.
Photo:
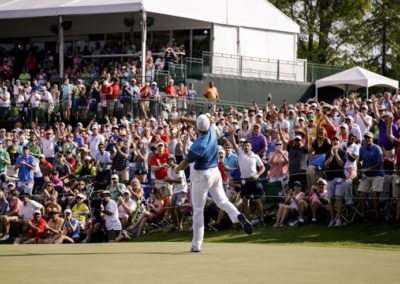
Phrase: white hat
(37, 212)
(67, 211)
(114, 176)
(322, 180)
(297, 138)
(344, 125)
(203, 123)
(80, 195)
(95, 126)
(350, 117)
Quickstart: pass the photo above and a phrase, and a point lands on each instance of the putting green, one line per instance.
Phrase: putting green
(218, 263)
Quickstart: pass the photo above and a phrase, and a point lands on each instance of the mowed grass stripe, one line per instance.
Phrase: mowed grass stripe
(169, 262)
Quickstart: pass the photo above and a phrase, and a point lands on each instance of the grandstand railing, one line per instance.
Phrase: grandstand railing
(254, 67)
(159, 108)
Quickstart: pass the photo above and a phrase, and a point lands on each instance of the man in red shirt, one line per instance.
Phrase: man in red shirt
(35, 230)
(172, 94)
(145, 94)
(159, 166)
(115, 93)
(106, 91)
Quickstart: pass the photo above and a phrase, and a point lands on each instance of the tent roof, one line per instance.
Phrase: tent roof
(258, 14)
(356, 77)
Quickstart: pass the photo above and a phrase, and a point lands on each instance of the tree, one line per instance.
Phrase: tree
(379, 38)
(326, 26)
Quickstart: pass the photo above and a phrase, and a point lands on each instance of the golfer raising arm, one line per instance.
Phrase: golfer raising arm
(207, 179)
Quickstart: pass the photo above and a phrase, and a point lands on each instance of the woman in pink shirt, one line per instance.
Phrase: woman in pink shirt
(278, 162)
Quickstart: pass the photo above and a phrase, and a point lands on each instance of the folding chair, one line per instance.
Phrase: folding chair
(350, 210)
(272, 196)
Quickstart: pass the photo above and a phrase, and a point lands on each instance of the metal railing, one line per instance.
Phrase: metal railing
(317, 71)
(157, 107)
(255, 67)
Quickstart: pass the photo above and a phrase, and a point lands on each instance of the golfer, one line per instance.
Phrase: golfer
(206, 178)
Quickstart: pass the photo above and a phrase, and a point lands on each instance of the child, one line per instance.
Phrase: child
(179, 192)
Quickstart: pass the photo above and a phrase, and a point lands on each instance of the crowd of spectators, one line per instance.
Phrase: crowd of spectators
(87, 63)
(109, 179)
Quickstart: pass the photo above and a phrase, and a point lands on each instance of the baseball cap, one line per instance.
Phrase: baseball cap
(95, 126)
(114, 176)
(88, 158)
(349, 117)
(80, 195)
(203, 123)
(256, 125)
(106, 192)
(67, 211)
(297, 138)
(369, 134)
(171, 157)
(11, 183)
(344, 125)
(322, 180)
(160, 144)
(37, 212)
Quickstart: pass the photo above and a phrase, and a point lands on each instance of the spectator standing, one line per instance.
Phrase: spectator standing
(211, 94)
(26, 164)
(191, 94)
(113, 224)
(180, 190)
(5, 103)
(372, 173)
(334, 172)
(251, 168)
(5, 160)
(120, 160)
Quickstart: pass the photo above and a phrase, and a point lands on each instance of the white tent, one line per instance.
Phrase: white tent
(354, 78)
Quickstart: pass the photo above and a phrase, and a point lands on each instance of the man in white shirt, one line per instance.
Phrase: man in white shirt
(251, 167)
(48, 143)
(113, 224)
(94, 140)
(363, 120)
(5, 103)
(29, 206)
(180, 189)
(46, 103)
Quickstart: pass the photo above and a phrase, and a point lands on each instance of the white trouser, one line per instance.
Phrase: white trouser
(204, 182)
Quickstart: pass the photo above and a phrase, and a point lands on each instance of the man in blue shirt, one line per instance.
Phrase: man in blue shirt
(206, 178)
(372, 173)
(26, 164)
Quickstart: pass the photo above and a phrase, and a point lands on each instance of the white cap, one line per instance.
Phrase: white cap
(67, 211)
(350, 117)
(203, 123)
(95, 126)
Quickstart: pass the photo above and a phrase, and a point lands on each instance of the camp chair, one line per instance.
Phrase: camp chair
(272, 196)
(350, 209)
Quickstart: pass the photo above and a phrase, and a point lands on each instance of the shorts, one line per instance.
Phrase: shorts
(252, 189)
(178, 199)
(140, 172)
(25, 187)
(396, 186)
(336, 187)
(374, 183)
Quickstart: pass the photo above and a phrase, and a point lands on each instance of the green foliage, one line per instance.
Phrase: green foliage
(348, 33)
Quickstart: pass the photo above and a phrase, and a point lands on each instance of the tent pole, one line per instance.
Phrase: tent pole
(367, 94)
(61, 48)
(316, 93)
(144, 51)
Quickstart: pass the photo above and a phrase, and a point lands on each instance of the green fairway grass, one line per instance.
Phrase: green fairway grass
(170, 262)
(355, 235)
